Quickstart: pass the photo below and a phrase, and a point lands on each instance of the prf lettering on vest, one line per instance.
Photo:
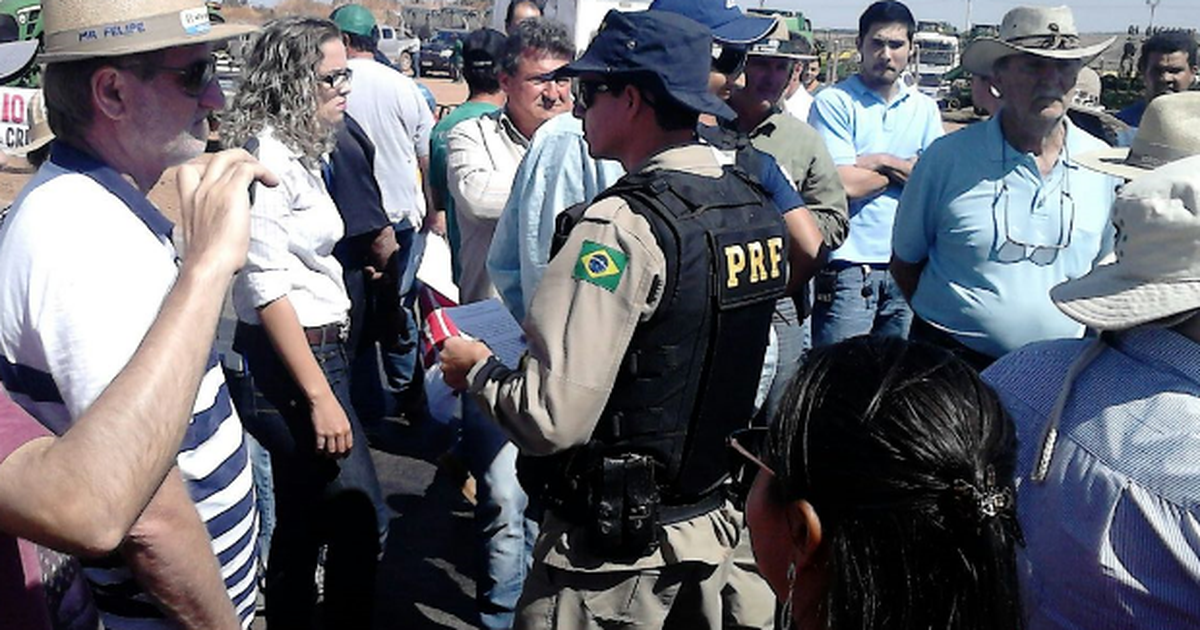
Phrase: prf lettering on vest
(759, 260)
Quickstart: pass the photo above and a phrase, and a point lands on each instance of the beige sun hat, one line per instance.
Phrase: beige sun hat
(79, 29)
(1157, 271)
(1043, 31)
(787, 46)
(39, 126)
(1170, 131)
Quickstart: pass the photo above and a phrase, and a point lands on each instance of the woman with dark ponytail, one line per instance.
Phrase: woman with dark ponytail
(885, 495)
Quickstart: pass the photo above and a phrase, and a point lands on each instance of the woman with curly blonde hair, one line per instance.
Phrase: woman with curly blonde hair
(292, 311)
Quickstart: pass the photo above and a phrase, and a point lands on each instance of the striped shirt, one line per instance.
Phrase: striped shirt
(85, 264)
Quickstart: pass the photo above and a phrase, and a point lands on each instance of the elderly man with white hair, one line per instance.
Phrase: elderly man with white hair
(998, 213)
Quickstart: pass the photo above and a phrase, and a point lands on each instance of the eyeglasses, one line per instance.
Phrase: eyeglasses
(194, 78)
(745, 447)
(730, 60)
(1015, 249)
(336, 79)
(585, 92)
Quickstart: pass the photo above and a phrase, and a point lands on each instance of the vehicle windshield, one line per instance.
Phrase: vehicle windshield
(446, 37)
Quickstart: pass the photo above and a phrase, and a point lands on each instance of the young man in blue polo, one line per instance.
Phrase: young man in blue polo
(875, 126)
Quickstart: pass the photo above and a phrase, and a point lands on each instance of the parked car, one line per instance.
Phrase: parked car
(399, 49)
(437, 52)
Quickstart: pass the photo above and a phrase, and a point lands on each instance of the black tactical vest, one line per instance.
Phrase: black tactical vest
(691, 372)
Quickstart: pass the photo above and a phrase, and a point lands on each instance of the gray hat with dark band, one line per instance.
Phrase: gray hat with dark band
(673, 49)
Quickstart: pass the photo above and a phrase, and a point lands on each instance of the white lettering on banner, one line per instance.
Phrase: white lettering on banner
(14, 118)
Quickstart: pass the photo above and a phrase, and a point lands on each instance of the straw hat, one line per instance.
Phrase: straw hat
(79, 29)
(1170, 131)
(1043, 31)
(1157, 271)
(39, 126)
(786, 46)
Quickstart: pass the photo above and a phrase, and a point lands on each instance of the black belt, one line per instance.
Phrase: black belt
(329, 333)
(669, 514)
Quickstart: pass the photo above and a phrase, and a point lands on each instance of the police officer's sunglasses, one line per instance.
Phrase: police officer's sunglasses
(585, 92)
(729, 60)
(746, 449)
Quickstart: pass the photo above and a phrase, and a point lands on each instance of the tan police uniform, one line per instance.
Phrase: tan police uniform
(578, 328)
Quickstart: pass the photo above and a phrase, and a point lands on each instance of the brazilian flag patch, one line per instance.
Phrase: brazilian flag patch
(600, 265)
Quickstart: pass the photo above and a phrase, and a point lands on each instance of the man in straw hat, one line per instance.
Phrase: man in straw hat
(85, 263)
(1109, 483)
(996, 214)
(645, 345)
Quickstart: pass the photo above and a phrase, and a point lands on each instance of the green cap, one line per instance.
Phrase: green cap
(355, 19)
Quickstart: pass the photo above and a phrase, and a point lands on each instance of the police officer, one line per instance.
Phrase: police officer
(645, 338)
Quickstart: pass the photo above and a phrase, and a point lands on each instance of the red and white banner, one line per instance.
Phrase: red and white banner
(14, 117)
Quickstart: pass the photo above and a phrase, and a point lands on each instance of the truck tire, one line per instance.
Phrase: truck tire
(406, 62)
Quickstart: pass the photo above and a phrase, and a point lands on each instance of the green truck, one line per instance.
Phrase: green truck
(28, 14)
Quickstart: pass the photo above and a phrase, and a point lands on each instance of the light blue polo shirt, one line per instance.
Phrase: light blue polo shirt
(970, 194)
(854, 121)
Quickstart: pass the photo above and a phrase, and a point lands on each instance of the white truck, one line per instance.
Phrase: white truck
(399, 49)
(582, 17)
(936, 54)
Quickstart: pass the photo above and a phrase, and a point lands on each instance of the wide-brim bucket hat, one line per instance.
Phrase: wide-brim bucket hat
(1042, 31)
(1156, 274)
(82, 29)
(1170, 130)
(674, 50)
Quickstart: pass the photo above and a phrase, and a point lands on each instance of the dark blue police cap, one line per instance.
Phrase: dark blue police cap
(672, 49)
(723, 17)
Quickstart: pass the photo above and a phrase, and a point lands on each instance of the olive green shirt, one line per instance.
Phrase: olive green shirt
(800, 150)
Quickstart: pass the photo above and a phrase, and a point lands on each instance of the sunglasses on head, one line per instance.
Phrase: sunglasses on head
(337, 78)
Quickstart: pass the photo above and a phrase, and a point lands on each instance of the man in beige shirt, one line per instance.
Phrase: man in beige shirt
(634, 376)
(482, 154)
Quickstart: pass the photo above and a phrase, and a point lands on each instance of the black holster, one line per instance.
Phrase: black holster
(623, 521)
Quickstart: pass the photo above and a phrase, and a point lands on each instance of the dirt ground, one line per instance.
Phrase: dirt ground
(16, 171)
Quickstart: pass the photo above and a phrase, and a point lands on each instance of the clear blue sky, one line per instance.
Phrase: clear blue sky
(1090, 15)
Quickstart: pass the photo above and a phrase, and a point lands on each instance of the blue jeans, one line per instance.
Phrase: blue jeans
(318, 500)
(505, 535)
(853, 299)
(241, 392)
(385, 369)
(400, 362)
(794, 339)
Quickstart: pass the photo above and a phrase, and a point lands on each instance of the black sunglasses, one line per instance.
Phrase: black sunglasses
(746, 449)
(337, 78)
(731, 61)
(585, 92)
(194, 77)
